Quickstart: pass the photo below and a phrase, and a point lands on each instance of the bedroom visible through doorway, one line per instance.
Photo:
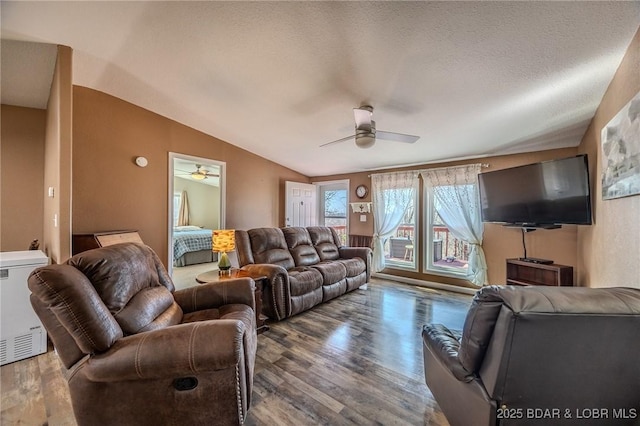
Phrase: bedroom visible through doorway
(196, 208)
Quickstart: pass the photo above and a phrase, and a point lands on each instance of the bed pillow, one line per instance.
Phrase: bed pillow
(187, 228)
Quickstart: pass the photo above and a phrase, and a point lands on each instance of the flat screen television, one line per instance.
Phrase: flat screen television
(541, 195)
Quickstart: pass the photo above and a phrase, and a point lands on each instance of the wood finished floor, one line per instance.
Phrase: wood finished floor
(356, 360)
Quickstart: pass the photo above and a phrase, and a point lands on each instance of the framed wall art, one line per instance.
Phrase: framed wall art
(620, 141)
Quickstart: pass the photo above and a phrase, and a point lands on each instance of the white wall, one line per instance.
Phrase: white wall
(204, 202)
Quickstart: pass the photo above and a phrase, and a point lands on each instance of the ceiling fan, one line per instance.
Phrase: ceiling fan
(366, 133)
(200, 173)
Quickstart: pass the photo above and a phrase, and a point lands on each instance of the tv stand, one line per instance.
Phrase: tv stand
(521, 272)
(536, 260)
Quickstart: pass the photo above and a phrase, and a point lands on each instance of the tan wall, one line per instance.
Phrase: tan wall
(57, 161)
(111, 192)
(500, 243)
(609, 251)
(21, 177)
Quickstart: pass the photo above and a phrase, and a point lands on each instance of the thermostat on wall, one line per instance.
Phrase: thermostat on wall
(141, 161)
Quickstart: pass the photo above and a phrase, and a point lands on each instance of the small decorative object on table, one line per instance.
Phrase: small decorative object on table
(224, 240)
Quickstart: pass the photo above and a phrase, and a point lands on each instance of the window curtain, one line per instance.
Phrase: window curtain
(456, 199)
(392, 195)
(183, 214)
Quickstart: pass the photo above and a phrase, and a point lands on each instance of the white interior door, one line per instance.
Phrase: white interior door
(301, 204)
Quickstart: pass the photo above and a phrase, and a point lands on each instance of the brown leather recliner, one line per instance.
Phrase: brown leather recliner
(138, 352)
(539, 356)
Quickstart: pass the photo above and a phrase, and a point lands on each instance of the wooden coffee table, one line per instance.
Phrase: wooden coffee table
(260, 280)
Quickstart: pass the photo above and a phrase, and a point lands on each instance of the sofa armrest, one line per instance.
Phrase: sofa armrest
(364, 253)
(276, 295)
(176, 351)
(444, 345)
(214, 295)
(350, 252)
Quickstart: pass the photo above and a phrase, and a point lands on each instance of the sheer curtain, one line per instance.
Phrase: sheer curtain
(456, 199)
(392, 195)
(183, 215)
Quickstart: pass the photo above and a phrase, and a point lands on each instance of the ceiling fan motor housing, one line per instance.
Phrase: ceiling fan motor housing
(365, 130)
(366, 135)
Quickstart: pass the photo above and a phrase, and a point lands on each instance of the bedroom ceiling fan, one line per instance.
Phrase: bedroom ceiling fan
(366, 132)
(200, 173)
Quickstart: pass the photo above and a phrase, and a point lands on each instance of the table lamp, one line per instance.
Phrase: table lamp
(224, 240)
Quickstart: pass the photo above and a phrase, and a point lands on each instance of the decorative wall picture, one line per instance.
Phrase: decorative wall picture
(621, 152)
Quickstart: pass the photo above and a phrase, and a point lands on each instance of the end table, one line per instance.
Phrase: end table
(260, 280)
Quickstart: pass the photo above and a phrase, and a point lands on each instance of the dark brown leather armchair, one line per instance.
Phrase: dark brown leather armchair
(138, 352)
(539, 356)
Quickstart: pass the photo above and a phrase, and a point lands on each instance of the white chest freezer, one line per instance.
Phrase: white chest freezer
(22, 335)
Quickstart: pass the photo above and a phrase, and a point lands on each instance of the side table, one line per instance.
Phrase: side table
(260, 280)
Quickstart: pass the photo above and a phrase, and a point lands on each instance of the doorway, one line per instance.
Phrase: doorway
(196, 205)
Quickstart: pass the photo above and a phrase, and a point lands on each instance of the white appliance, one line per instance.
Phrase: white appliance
(22, 335)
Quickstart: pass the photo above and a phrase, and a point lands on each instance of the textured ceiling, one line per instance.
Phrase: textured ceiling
(281, 78)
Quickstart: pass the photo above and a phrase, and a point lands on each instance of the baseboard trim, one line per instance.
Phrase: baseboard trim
(422, 283)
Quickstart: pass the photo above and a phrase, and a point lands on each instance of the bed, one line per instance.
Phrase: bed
(192, 245)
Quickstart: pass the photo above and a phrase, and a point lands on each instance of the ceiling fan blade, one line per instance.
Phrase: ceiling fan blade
(339, 140)
(212, 175)
(362, 116)
(397, 137)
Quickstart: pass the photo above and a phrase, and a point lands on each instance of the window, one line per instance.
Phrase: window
(445, 253)
(176, 208)
(399, 249)
(333, 208)
(453, 243)
(394, 199)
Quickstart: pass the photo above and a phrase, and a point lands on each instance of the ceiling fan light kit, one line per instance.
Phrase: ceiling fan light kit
(201, 173)
(366, 141)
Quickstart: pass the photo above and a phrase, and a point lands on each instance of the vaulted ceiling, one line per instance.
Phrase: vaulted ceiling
(279, 79)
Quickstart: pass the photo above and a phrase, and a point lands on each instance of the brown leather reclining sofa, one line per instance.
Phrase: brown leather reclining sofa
(539, 356)
(304, 266)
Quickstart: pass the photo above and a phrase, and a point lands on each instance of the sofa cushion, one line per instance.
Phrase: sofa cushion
(332, 272)
(300, 246)
(269, 246)
(76, 306)
(306, 301)
(126, 278)
(303, 280)
(325, 241)
(240, 312)
(478, 327)
(331, 291)
(354, 266)
(149, 309)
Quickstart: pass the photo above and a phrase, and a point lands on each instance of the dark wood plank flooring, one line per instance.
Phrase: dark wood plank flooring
(356, 360)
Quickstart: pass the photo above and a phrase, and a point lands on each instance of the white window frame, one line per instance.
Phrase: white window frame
(332, 186)
(176, 207)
